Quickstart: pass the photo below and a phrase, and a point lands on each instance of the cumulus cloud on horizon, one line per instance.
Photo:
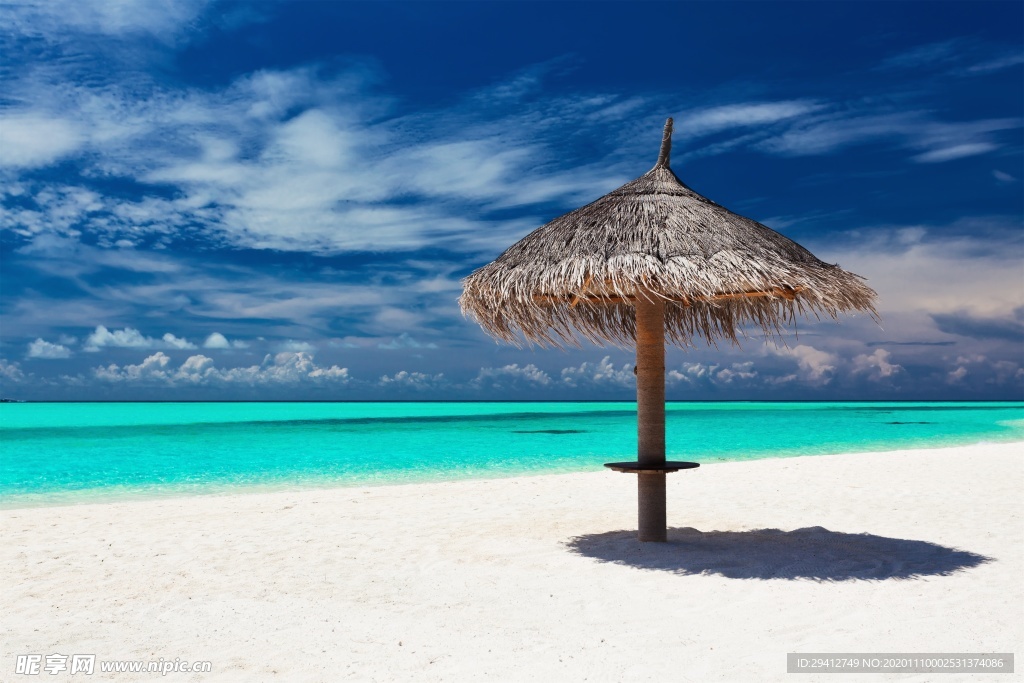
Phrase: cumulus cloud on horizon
(877, 365)
(510, 377)
(603, 373)
(417, 381)
(216, 340)
(130, 338)
(281, 368)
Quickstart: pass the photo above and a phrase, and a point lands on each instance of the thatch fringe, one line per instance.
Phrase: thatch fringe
(718, 272)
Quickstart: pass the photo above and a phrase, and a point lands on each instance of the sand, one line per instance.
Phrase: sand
(535, 578)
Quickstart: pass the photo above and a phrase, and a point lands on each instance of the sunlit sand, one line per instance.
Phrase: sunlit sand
(535, 578)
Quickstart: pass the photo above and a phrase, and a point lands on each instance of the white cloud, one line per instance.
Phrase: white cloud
(30, 141)
(216, 340)
(299, 346)
(696, 373)
(417, 381)
(816, 366)
(126, 338)
(691, 373)
(602, 373)
(11, 372)
(737, 371)
(173, 342)
(130, 338)
(510, 377)
(44, 349)
(876, 365)
(287, 368)
(196, 369)
(283, 368)
(152, 368)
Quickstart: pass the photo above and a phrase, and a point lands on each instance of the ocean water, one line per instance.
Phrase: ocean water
(57, 453)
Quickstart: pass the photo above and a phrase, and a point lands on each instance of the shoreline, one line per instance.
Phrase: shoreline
(539, 576)
(521, 400)
(112, 495)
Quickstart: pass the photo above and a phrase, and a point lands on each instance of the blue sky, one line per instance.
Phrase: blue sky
(245, 200)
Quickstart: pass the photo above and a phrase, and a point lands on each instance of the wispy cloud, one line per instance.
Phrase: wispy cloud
(1005, 61)
(743, 115)
(939, 141)
(959, 151)
(957, 56)
(307, 159)
(55, 19)
(252, 172)
(942, 52)
(417, 299)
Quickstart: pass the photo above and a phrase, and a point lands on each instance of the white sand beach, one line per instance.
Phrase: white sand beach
(535, 578)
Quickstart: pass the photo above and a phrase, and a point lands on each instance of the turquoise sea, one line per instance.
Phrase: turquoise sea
(56, 453)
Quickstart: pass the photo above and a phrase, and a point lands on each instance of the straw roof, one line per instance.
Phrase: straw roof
(654, 238)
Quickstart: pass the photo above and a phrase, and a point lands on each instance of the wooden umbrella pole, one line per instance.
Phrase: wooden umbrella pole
(650, 409)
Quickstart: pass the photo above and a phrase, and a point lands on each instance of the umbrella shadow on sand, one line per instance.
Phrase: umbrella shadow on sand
(812, 553)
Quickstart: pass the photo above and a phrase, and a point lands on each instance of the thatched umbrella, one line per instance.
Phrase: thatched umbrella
(654, 261)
